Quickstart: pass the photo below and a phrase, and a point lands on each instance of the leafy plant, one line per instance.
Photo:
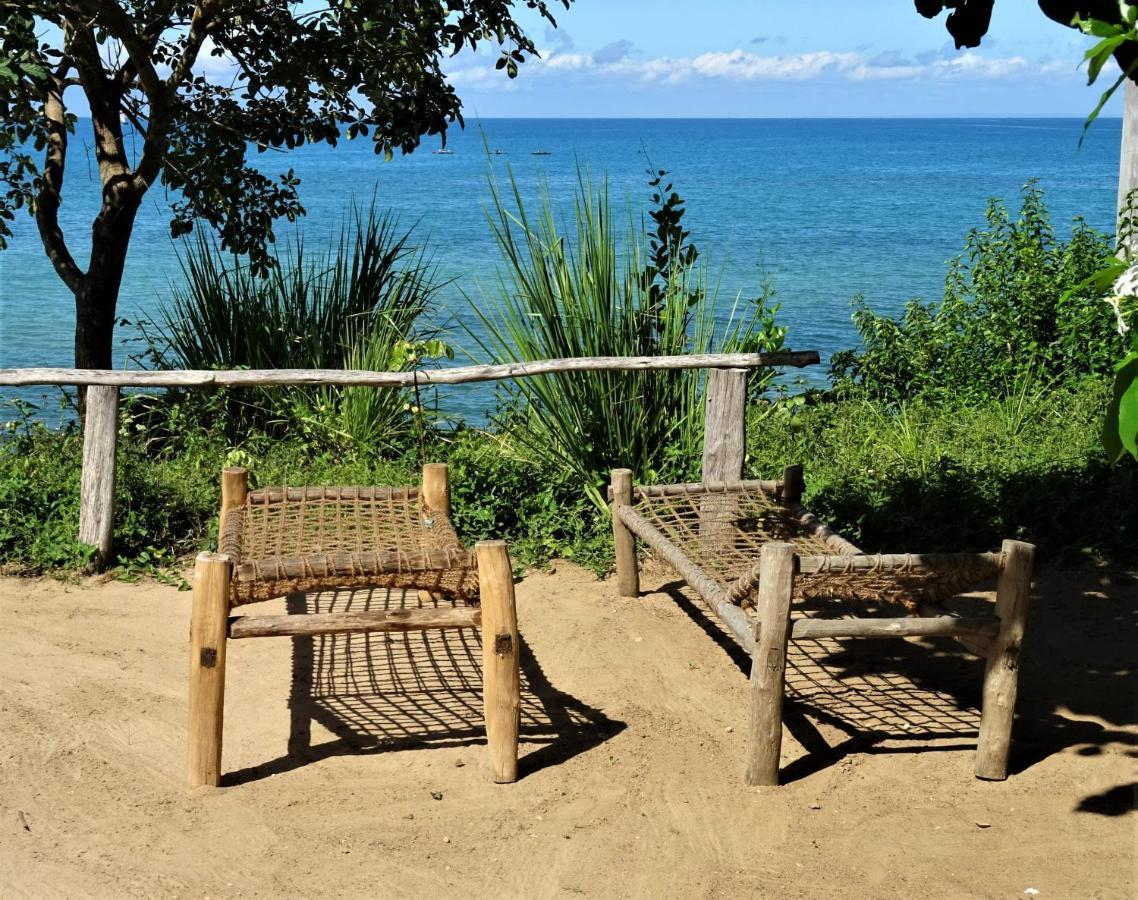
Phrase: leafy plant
(1016, 301)
(601, 291)
(349, 305)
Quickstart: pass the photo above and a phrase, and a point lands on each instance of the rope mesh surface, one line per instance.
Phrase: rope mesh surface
(314, 539)
(723, 533)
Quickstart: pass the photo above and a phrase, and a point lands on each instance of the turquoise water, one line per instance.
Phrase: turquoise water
(827, 208)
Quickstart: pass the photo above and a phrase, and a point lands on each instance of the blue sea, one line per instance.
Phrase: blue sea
(824, 208)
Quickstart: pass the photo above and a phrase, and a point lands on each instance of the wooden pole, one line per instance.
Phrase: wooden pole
(627, 570)
(1001, 675)
(793, 485)
(724, 435)
(436, 488)
(768, 665)
(1128, 157)
(460, 375)
(97, 492)
(724, 430)
(207, 667)
(501, 676)
(234, 490)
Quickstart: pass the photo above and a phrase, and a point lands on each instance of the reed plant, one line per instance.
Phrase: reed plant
(347, 304)
(599, 287)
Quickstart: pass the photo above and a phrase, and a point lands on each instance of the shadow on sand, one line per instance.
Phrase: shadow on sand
(402, 690)
(1077, 688)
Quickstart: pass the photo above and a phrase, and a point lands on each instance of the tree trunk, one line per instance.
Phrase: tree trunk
(96, 301)
(1128, 162)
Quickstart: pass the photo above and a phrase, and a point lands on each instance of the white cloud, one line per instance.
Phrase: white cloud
(741, 66)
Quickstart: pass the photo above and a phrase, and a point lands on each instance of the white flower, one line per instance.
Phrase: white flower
(1115, 303)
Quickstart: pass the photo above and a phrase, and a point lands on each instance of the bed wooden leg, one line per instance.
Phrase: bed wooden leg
(208, 624)
(436, 487)
(627, 570)
(1001, 674)
(501, 676)
(768, 665)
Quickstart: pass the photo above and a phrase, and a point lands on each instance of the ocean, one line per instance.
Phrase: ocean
(824, 209)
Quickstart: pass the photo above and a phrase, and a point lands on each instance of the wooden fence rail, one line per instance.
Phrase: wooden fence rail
(725, 406)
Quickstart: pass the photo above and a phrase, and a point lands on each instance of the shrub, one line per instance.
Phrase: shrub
(1004, 314)
(602, 291)
(349, 305)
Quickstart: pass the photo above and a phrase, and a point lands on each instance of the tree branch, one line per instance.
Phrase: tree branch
(51, 184)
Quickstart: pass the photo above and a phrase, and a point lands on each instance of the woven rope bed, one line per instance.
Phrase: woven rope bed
(752, 550)
(287, 541)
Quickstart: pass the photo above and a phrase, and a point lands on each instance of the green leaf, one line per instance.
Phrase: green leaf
(1106, 95)
(1120, 429)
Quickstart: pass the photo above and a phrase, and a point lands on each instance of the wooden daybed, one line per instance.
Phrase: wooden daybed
(751, 550)
(275, 542)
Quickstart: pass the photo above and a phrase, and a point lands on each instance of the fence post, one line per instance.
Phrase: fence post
(724, 437)
(724, 428)
(97, 494)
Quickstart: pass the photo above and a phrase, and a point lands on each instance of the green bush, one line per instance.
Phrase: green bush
(605, 290)
(934, 475)
(1003, 316)
(348, 305)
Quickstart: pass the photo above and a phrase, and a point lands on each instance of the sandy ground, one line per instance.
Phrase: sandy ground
(355, 764)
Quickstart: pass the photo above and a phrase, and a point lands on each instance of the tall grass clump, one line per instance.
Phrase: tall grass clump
(1014, 310)
(350, 304)
(599, 287)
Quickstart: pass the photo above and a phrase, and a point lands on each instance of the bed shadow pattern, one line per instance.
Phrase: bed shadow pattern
(389, 691)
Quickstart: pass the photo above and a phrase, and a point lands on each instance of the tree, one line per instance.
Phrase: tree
(360, 68)
(1115, 24)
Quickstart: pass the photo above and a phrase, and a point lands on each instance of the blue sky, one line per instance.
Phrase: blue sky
(783, 58)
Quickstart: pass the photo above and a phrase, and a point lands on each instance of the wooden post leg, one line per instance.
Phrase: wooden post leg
(792, 485)
(501, 675)
(1001, 675)
(627, 570)
(208, 625)
(436, 488)
(234, 490)
(768, 665)
(97, 490)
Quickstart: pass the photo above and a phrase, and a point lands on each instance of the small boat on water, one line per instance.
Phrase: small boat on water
(499, 152)
(542, 153)
(443, 152)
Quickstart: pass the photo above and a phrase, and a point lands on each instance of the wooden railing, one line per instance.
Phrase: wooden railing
(724, 421)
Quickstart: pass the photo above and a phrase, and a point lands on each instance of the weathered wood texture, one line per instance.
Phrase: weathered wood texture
(501, 655)
(723, 424)
(97, 491)
(943, 626)
(768, 664)
(1001, 674)
(436, 488)
(724, 434)
(1128, 157)
(734, 617)
(364, 377)
(357, 622)
(208, 623)
(792, 485)
(234, 490)
(627, 569)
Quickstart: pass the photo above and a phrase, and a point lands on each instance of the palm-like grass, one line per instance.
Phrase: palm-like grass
(344, 306)
(587, 295)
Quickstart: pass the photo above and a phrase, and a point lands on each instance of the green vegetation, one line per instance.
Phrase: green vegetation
(961, 424)
(1016, 306)
(350, 305)
(607, 291)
